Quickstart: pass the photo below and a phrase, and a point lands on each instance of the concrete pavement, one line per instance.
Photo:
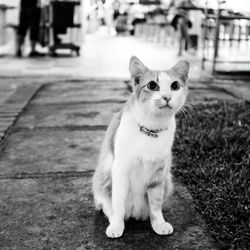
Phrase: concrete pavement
(48, 153)
(46, 164)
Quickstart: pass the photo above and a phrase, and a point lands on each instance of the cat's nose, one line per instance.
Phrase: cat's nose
(166, 98)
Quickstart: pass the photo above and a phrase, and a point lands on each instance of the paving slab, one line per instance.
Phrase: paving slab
(68, 115)
(46, 167)
(201, 95)
(22, 95)
(84, 92)
(6, 90)
(56, 213)
(54, 112)
(5, 122)
(45, 151)
(9, 108)
(5, 126)
(7, 114)
(240, 90)
(6, 119)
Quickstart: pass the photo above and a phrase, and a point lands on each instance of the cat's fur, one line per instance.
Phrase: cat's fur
(134, 169)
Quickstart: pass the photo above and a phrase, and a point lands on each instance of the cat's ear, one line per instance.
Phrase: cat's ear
(136, 69)
(181, 69)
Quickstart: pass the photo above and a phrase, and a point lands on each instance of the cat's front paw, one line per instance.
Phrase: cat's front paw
(164, 228)
(115, 231)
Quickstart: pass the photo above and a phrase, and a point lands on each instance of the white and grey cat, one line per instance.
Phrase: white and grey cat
(134, 170)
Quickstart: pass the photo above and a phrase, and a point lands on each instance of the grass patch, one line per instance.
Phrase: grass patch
(212, 158)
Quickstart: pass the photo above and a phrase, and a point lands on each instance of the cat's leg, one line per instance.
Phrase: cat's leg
(119, 194)
(155, 198)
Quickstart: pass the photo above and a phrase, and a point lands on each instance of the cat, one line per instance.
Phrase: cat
(133, 175)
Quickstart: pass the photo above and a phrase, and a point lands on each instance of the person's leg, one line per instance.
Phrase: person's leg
(183, 34)
(21, 31)
(181, 38)
(33, 46)
(19, 45)
(35, 15)
(185, 27)
(57, 40)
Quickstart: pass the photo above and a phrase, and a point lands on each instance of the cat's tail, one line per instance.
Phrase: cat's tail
(102, 188)
(169, 187)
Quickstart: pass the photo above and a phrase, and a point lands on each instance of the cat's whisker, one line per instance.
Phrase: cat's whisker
(181, 112)
(184, 111)
(189, 106)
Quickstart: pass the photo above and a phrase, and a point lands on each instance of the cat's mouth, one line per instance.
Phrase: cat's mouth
(166, 106)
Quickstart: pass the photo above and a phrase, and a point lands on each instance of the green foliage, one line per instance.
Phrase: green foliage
(212, 157)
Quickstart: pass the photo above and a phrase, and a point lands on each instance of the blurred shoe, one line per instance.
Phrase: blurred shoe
(19, 54)
(36, 54)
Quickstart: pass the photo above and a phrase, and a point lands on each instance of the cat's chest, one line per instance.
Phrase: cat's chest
(133, 142)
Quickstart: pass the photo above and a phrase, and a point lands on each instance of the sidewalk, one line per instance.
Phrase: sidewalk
(47, 160)
(46, 166)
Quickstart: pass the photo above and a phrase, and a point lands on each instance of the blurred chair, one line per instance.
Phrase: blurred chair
(63, 18)
(225, 29)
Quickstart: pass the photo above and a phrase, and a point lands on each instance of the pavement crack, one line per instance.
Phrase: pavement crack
(58, 128)
(58, 175)
(73, 103)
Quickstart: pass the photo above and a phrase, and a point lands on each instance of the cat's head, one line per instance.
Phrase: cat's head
(159, 93)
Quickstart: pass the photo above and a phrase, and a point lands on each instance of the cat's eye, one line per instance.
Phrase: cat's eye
(153, 86)
(175, 86)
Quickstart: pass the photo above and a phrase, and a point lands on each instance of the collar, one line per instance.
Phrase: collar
(148, 132)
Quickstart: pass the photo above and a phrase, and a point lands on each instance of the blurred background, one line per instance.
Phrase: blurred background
(97, 37)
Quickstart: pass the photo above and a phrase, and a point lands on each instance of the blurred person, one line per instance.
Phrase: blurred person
(180, 20)
(100, 12)
(135, 16)
(116, 9)
(29, 19)
(121, 23)
(109, 16)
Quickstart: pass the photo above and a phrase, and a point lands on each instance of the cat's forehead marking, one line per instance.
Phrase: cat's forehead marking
(157, 76)
(163, 76)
